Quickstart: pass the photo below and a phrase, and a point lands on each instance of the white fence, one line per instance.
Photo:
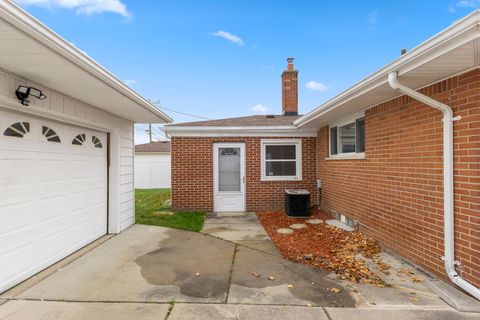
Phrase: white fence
(152, 171)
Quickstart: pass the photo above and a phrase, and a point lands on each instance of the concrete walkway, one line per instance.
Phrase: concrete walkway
(154, 273)
(243, 229)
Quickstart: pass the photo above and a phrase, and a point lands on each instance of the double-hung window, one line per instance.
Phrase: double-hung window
(281, 159)
(347, 137)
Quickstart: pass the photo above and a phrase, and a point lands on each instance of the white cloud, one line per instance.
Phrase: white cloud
(259, 108)
(372, 17)
(230, 37)
(317, 86)
(464, 4)
(130, 82)
(87, 7)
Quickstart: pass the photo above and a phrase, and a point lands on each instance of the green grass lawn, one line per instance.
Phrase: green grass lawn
(150, 208)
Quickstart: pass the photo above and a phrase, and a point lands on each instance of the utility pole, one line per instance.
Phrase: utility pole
(150, 132)
(150, 125)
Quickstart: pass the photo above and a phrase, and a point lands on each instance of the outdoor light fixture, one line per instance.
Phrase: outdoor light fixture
(23, 92)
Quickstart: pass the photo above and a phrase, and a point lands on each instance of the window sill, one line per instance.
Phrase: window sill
(356, 156)
(281, 179)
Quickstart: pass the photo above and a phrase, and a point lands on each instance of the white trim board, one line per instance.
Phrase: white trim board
(222, 200)
(298, 159)
(238, 131)
(49, 114)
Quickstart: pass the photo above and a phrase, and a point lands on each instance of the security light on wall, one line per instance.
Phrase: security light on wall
(23, 92)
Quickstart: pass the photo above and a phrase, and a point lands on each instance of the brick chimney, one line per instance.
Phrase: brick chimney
(290, 90)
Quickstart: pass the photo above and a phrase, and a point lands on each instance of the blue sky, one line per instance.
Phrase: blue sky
(224, 58)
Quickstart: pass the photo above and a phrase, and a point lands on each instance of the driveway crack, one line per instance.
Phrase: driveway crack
(170, 309)
(235, 249)
(326, 313)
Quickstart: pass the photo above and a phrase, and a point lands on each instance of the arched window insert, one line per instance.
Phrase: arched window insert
(96, 142)
(79, 139)
(229, 152)
(18, 130)
(50, 134)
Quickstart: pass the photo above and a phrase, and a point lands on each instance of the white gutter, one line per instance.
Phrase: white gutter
(448, 192)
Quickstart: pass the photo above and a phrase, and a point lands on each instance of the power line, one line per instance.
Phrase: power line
(141, 130)
(157, 103)
(157, 134)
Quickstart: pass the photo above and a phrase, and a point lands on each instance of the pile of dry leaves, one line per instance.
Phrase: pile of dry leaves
(325, 247)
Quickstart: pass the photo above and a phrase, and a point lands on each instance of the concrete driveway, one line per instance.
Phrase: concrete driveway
(153, 273)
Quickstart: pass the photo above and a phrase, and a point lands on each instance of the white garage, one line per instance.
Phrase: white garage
(153, 165)
(66, 150)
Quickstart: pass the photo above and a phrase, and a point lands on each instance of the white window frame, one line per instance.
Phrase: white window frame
(344, 121)
(298, 159)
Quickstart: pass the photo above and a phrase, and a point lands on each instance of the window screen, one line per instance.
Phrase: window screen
(347, 138)
(333, 141)
(360, 135)
(280, 160)
(229, 169)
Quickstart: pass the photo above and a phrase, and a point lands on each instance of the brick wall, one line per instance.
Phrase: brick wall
(397, 193)
(192, 174)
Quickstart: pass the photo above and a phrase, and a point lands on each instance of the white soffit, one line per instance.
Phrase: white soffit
(32, 51)
(452, 51)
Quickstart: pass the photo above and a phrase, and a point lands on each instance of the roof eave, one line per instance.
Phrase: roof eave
(23, 21)
(426, 51)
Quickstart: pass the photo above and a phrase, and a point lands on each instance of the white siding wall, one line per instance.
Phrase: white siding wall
(63, 108)
(152, 171)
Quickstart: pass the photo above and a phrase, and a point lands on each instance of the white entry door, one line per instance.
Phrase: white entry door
(53, 193)
(229, 177)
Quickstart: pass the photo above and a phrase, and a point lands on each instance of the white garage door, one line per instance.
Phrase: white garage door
(53, 193)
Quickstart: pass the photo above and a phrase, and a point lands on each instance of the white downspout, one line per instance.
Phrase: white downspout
(448, 193)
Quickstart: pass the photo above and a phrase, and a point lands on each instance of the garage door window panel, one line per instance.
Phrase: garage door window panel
(96, 142)
(18, 130)
(50, 134)
(79, 140)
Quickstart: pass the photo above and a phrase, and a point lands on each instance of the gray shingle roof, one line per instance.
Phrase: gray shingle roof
(249, 121)
(160, 146)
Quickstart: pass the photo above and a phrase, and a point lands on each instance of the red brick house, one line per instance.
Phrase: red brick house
(398, 152)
